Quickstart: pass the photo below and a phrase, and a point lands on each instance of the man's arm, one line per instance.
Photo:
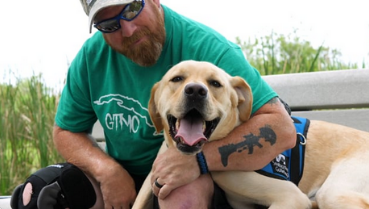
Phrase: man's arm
(78, 149)
(116, 185)
(255, 143)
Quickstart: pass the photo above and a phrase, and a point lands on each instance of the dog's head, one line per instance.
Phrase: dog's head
(197, 102)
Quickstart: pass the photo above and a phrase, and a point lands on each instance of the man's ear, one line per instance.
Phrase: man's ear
(244, 94)
(153, 111)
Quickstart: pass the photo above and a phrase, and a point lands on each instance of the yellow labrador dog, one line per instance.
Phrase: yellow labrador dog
(336, 172)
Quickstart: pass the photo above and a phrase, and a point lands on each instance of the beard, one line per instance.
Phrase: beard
(147, 52)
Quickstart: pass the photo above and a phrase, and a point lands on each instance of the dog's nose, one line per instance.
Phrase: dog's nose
(196, 91)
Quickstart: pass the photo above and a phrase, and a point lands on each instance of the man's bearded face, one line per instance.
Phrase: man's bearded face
(145, 45)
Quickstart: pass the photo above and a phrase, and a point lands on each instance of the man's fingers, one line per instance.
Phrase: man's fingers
(164, 191)
(161, 191)
(108, 206)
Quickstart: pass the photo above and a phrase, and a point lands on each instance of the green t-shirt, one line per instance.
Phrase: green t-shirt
(106, 86)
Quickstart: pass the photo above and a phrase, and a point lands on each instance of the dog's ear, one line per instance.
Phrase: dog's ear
(244, 94)
(153, 111)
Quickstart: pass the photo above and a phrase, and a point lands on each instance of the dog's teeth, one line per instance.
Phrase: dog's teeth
(180, 139)
(177, 124)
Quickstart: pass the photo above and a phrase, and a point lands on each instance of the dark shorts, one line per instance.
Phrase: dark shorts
(219, 200)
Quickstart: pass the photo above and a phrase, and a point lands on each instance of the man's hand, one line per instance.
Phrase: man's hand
(173, 169)
(117, 187)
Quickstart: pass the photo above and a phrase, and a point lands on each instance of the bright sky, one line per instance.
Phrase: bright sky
(43, 36)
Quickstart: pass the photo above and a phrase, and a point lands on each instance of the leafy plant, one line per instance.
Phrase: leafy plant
(278, 54)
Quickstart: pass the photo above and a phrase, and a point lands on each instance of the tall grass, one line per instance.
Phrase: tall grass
(26, 120)
(278, 54)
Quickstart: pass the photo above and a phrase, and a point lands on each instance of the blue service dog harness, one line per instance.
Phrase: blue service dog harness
(289, 165)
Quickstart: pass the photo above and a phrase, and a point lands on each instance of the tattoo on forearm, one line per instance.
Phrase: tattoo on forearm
(249, 143)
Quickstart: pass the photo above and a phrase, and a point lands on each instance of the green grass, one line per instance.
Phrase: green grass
(27, 117)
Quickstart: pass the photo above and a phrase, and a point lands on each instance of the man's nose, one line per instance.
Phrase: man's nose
(127, 28)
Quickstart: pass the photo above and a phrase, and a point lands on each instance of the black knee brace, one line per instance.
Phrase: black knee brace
(55, 187)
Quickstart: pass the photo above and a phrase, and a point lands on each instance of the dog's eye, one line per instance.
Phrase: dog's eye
(215, 83)
(177, 79)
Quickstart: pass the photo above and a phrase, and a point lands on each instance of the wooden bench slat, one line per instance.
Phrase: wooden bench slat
(323, 90)
(355, 118)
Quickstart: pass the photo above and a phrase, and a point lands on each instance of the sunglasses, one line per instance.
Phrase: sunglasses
(128, 13)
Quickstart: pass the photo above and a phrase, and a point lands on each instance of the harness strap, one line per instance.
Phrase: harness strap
(298, 152)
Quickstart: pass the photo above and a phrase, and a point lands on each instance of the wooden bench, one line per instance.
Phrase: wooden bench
(335, 96)
(340, 97)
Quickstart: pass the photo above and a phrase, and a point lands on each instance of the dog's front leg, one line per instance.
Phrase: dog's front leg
(144, 198)
(247, 188)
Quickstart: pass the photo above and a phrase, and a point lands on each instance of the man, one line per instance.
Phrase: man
(110, 80)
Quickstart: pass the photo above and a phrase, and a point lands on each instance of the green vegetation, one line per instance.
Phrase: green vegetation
(279, 54)
(27, 113)
(27, 109)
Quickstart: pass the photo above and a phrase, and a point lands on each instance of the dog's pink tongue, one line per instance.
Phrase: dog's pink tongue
(190, 130)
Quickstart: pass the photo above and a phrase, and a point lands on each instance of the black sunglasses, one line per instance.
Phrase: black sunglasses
(128, 13)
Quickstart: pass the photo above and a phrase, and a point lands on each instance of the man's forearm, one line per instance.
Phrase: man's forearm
(254, 143)
(80, 150)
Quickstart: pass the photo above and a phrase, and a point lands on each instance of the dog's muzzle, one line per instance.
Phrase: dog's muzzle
(190, 131)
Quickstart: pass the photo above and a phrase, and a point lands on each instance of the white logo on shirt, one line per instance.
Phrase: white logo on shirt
(118, 121)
